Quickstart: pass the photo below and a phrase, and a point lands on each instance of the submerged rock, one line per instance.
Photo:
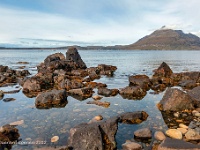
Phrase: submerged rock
(131, 146)
(107, 92)
(175, 100)
(99, 103)
(54, 98)
(144, 133)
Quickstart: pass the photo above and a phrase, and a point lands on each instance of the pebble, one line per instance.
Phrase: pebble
(98, 118)
(174, 133)
(144, 133)
(183, 126)
(54, 139)
(176, 114)
(131, 146)
(197, 114)
(182, 130)
(97, 97)
(16, 123)
(159, 135)
(194, 112)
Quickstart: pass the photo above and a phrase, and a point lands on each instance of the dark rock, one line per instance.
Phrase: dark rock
(22, 62)
(1, 94)
(73, 55)
(175, 100)
(133, 117)
(100, 103)
(142, 81)
(54, 98)
(22, 73)
(163, 71)
(11, 92)
(2, 78)
(107, 92)
(195, 94)
(174, 144)
(188, 84)
(3, 68)
(54, 57)
(83, 92)
(144, 133)
(79, 72)
(106, 69)
(9, 99)
(132, 92)
(8, 135)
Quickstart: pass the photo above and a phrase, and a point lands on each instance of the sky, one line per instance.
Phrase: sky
(52, 23)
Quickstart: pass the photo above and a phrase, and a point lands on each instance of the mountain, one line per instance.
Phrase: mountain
(167, 39)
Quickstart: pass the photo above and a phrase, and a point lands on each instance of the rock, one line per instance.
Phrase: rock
(69, 84)
(175, 100)
(195, 94)
(96, 118)
(94, 136)
(54, 57)
(107, 92)
(188, 84)
(99, 103)
(82, 92)
(3, 68)
(133, 117)
(197, 114)
(22, 62)
(9, 99)
(144, 133)
(174, 144)
(142, 81)
(1, 94)
(183, 126)
(54, 139)
(163, 71)
(16, 123)
(11, 92)
(174, 133)
(73, 55)
(106, 69)
(54, 98)
(193, 134)
(131, 146)
(132, 92)
(159, 135)
(79, 72)
(182, 130)
(97, 97)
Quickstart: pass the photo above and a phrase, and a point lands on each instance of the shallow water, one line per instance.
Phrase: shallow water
(42, 124)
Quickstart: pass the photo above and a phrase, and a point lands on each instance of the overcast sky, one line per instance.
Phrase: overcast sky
(93, 22)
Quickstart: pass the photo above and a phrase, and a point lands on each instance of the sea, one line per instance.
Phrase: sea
(42, 124)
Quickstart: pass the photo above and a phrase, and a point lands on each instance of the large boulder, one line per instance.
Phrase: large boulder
(54, 98)
(175, 100)
(54, 57)
(195, 94)
(106, 69)
(72, 55)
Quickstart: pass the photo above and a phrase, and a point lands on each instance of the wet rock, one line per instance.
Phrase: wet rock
(195, 94)
(144, 133)
(193, 134)
(174, 144)
(22, 62)
(133, 117)
(3, 68)
(163, 70)
(54, 57)
(11, 92)
(159, 135)
(9, 99)
(142, 81)
(79, 72)
(1, 94)
(99, 103)
(182, 130)
(188, 84)
(174, 133)
(73, 55)
(83, 92)
(131, 146)
(132, 92)
(107, 92)
(97, 97)
(175, 100)
(54, 139)
(106, 69)
(54, 98)
(22, 73)
(96, 118)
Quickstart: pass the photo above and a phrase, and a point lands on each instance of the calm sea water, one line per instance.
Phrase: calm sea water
(42, 124)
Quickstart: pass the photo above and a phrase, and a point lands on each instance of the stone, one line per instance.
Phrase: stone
(97, 97)
(54, 139)
(197, 114)
(131, 146)
(144, 133)
(188, 84)
(73, 55)
(159, 135)
(99, 103)
(16, 123)
(1, 94)
(106, 69)
(53, 98)
(163, 70)
(174, 133)
(175, 144)
(195, 94)
(133, 117)
(82, 92)
(183, 126)
(9, 99)
(142, 81)
(193, 134)
(107, 92)
(175, 100)
(182, 130)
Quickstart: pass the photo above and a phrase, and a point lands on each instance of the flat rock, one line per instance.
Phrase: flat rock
(100, 103)
(193, 134)
(9, 99)
(174, 133)
(131, 146)
(174, 144)
(144, 133)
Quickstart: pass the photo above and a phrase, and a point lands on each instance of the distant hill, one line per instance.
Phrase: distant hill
(167, 39)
